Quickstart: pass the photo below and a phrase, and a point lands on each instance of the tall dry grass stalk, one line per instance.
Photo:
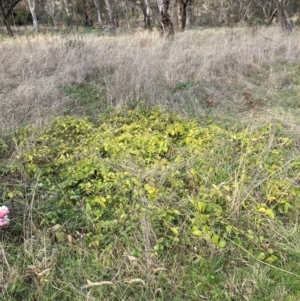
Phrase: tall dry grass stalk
(213, 69)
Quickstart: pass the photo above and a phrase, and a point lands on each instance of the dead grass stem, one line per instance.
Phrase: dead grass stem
(197, 72)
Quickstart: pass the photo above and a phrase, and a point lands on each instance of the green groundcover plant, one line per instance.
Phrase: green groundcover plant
(181, 181)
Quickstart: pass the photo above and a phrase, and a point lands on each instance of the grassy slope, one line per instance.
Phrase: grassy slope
(254, 80)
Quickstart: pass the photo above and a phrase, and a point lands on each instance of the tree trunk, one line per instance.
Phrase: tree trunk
(283, 18)
(274, 13)
(110, 14)
(33, 14)
(189, 14)
(7, 26)
(116, 14)
(181, 11)
(127, 14)
(67, 8)
(98, 13)
(147, 17)
(146, 12)
(166, 23)
(51, 11)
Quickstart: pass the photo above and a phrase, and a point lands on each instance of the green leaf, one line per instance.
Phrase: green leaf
(197, 232)
(88, 208)
(10, 194)
(174, 230)
(270, 213)
(222, 243)
(272, 259)
(228, 228)
(215, 238)
(261, 256)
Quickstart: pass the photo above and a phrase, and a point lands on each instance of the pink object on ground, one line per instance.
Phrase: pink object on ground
(3, 216)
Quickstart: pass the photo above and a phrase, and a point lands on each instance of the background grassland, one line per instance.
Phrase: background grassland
(220, 184)
(229, 72)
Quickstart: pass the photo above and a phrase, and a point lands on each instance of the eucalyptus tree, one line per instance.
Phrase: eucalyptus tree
(66, 7)
(283, 17)
(184, 14)
(110, 11)
(166, 23)
(6, 9)
(97, 5)
(51, 8)
(32, 7)
(146, 9)
(85, 10)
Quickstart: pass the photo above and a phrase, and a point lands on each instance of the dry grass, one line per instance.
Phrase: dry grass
(222, 70)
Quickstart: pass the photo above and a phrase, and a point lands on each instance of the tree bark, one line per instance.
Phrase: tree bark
(110, 14)
(67, 8)
(127, 14)
(51, 10)
(116, 14)
(181, 11)
(146, 12)
(184, 13)
(33, 14)
(98, 13)
(274, 13)
(166, 23)
(8, 28)
(147, 16)
(189, 14)
(283, 18)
